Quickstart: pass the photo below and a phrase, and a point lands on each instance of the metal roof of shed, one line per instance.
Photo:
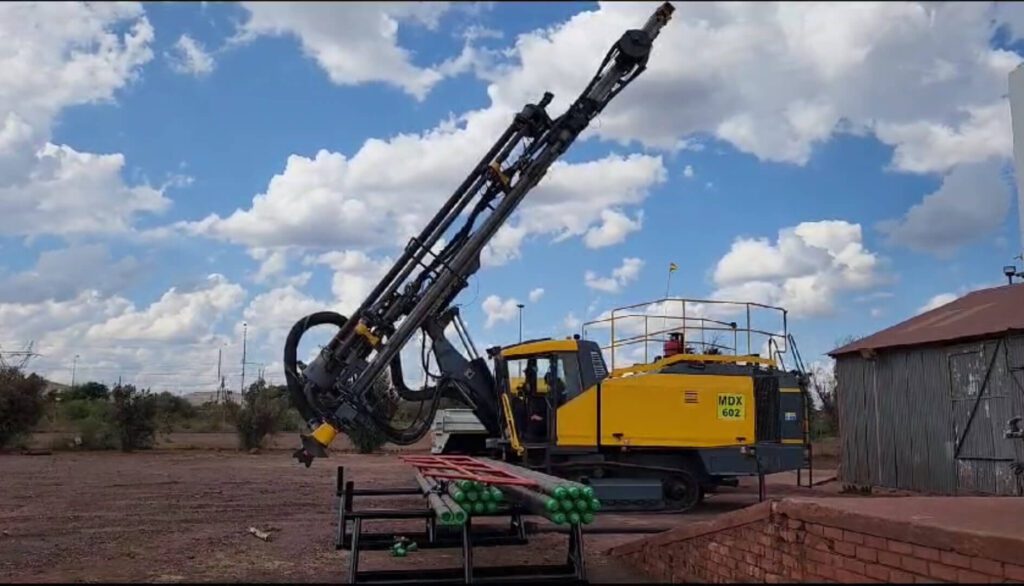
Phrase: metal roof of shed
(977, 314)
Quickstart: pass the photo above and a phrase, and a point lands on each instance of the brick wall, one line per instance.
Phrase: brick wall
(769, 543)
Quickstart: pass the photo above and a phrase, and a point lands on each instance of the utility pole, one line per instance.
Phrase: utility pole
(520, 306)
(220, 381)
(245, 332)
(74, 367)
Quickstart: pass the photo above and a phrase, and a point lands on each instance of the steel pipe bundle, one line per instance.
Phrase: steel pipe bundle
(474, 497)
(446, 509)
(560, 500)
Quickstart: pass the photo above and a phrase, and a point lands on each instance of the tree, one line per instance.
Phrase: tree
(21, 404)
(823, 385)
(91, 391)
(134, 417)
(171, 409)
(260, 414)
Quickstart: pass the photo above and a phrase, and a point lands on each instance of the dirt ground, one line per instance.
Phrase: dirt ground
(182, 515)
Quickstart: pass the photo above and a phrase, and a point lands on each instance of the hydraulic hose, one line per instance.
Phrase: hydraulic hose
(291, 348)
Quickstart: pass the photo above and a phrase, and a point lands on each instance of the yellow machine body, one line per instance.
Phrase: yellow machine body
(641, 406)
(667, 430)
(661, 410)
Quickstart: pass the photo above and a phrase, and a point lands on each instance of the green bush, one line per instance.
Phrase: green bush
(366, 440)
(89, 390)
(261, 413)
(21, 404)
(78, 409)
(172, 411)
(134, 417)
(291, 421)
(95, 433)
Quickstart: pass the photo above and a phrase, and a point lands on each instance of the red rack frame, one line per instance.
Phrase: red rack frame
(465, 468)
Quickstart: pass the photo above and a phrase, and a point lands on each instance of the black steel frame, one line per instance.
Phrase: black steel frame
(352, 536)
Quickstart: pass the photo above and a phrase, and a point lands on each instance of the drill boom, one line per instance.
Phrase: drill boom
(336, 391)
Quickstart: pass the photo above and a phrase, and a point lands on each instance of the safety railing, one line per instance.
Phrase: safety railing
(707, 326)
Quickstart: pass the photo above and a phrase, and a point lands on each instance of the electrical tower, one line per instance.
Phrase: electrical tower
(17, 359)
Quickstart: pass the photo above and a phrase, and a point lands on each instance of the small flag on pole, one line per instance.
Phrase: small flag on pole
(672, 267)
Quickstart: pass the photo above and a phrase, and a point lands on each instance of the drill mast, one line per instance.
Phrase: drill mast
(339, 390)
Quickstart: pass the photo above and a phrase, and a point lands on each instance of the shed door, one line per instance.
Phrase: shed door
(982, 455)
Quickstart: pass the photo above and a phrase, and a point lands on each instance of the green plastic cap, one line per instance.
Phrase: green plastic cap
(588, 492)
(587, 518)
(560, 493)
(574, 518)
(582, 505)
(492, 507)
(574, 492)
(551, 505)
(473, 496)
(479, 507)
(558, 518)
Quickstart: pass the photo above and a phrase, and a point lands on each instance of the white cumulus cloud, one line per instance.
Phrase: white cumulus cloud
(354, 43)
(621, 276)
(972, 202)
(804, 270)
(499, 310)
(189, 57)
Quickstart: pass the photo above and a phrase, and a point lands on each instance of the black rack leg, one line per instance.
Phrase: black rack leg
(353, 556)
(576, 557)
(339, 541)
(517, 528)
(467, 553)
(810, 465)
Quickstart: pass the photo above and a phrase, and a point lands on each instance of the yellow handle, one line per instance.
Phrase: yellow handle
(512, 433)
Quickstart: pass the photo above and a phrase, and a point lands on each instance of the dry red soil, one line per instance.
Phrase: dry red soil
(183, 515)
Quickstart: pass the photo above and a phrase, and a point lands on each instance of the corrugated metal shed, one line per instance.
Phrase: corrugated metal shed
(981, 314)
(932, 418)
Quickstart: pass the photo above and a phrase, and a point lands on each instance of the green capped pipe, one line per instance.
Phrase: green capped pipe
(479, 508)
(559, 488)
(587, 518)
(559, 518)
(582, 505)
(574, 518)
(442, 511)
(535, 502)
(459, 515)
(492, 507)
(595, 505)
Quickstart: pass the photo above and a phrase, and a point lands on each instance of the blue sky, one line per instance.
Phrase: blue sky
(850, 163)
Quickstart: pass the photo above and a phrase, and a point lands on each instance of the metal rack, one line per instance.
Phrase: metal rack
(352, 535)
(702, 322)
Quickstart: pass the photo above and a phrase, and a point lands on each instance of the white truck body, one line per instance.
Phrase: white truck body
(450, 422)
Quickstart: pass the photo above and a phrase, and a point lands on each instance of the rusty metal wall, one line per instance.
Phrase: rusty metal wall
(902, 414)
